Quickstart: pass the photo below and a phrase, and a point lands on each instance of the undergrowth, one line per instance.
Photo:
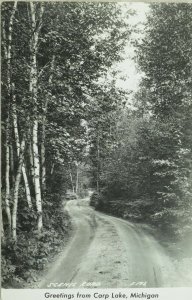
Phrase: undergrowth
(22, 261)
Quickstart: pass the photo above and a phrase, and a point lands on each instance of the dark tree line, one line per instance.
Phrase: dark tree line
(147, 173)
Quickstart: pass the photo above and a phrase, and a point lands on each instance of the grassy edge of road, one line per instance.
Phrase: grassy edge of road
(52, 257)
(33, 254)
(179, 249)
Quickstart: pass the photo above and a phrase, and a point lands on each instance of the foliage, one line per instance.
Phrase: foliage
(53, 56)
(22, 261)
(147, 172)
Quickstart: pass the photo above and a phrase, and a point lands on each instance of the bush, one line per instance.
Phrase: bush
(98, 201)
(137, 210)
(94, 199)
(21, 261)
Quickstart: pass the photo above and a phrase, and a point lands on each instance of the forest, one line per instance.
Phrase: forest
(67, 126)
(145, 172)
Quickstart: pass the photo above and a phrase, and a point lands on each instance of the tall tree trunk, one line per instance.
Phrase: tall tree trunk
(31, 161)
(2, 227)
(16, 191)
(37, 177)
(43, 133)
(18, 146)
(36, 26)
(77, 179)
(7, 180)
(43, 167)
(98, 160)
(7, 43)
(71, 177)
(12, 165)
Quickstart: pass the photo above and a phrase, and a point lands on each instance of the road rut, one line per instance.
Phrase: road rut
(108, 252)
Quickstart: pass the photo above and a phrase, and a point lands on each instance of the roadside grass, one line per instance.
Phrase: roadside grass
(22, 262)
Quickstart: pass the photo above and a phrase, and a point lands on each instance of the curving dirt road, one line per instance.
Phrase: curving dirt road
(108, 252)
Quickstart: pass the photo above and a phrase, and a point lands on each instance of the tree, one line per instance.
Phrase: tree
(53, 55)
(36, 14)
(147, 172)
(7, 47)
(164, 56)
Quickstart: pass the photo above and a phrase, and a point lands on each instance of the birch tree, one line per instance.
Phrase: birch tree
(43, 126)
(16, 190)
(36, 14)
(18, 146)
(7, 45)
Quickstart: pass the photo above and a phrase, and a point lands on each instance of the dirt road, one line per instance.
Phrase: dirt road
(108, 252)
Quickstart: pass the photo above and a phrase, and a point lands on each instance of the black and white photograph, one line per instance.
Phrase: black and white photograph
(96, 147)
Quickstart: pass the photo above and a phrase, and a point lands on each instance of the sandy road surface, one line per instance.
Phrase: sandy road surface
(111, 253)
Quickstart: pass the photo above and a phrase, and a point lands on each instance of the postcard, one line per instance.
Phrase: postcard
(96, 150)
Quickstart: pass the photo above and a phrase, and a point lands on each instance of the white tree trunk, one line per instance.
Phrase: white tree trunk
(31, 160)
(12, 165)
(98, 160)
(17, 141)
(43, 133)
(7, 183)
(2, 228)
(77, 179)
(36, 26)
(37, 177)
(16, 191)
(7, 43)
(43, 168)
(71, 177)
